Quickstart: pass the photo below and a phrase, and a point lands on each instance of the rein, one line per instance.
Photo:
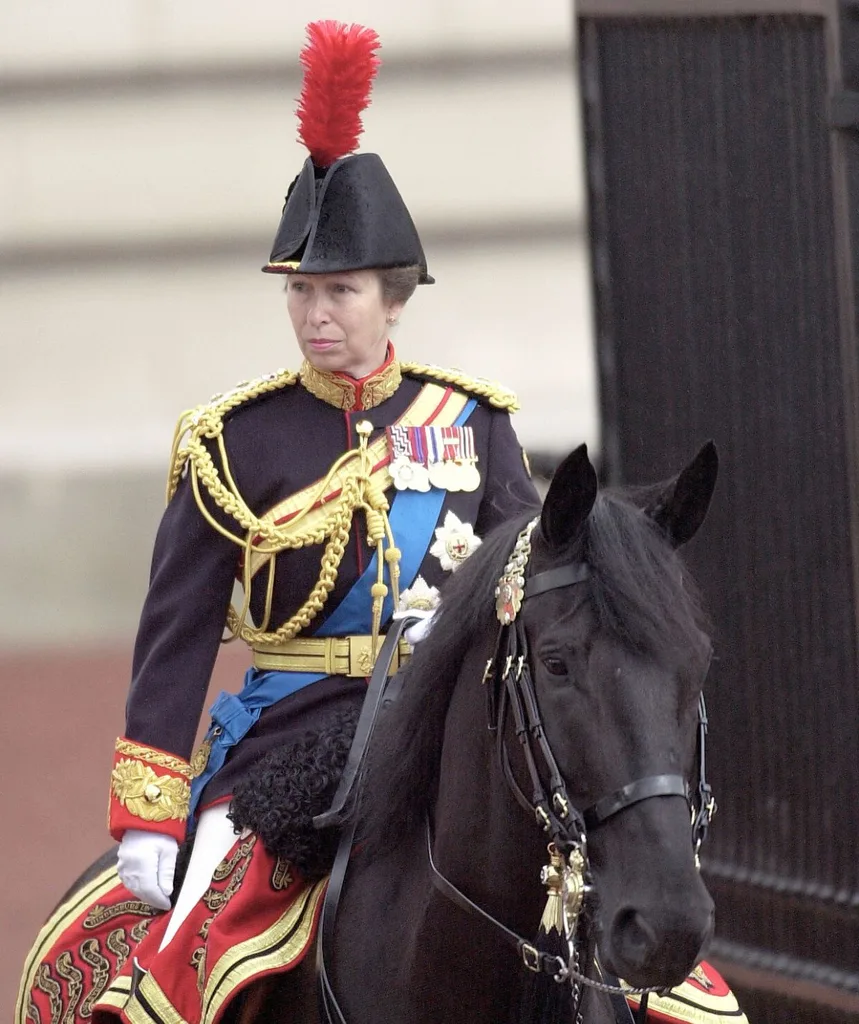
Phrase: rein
(380, 685)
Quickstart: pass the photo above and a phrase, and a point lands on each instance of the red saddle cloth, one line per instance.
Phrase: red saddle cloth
(80, 968)
(258, 918)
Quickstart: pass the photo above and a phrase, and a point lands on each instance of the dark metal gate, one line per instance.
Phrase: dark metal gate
(723, 170)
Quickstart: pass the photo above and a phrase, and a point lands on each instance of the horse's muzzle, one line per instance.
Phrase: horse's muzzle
(658, 946)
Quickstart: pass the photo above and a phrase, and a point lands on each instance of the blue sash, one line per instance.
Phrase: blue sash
(413, 517)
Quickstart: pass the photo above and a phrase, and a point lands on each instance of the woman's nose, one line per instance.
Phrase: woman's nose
(318, 314)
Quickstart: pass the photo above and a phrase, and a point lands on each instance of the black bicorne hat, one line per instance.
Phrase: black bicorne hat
(342, 212)
(350, 218)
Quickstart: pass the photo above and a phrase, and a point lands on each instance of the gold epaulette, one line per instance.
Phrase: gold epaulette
(495, 394)
(207, 420)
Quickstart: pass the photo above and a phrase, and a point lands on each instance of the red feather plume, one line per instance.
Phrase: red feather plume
(340, 64)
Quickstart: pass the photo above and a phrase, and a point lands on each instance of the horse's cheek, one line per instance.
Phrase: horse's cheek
(567, 724)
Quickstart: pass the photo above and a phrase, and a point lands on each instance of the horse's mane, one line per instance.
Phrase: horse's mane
(641, 593)
(406, 746)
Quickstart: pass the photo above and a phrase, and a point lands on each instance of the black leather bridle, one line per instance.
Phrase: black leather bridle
(510, 689)
(513, 688)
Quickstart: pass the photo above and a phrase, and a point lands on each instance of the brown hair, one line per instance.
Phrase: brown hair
(398, 283)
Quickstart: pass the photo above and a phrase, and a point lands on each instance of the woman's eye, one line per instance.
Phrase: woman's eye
(555, 666)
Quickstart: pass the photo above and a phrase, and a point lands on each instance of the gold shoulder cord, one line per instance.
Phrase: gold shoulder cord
(206, 423)
(495, 394)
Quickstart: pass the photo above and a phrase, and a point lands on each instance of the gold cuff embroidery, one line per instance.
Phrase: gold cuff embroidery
(154, 757)
(149, 796)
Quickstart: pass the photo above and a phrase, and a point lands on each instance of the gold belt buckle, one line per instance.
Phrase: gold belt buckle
(361, 655)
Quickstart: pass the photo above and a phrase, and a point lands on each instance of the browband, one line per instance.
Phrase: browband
(552, 579)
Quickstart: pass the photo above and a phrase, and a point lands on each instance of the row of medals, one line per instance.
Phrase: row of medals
(447, 476)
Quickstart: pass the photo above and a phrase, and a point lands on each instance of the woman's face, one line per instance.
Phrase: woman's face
(341, 321)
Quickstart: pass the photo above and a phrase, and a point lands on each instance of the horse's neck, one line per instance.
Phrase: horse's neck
(405, 952)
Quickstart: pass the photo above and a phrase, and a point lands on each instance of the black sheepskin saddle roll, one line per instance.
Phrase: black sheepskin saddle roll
(281, 795)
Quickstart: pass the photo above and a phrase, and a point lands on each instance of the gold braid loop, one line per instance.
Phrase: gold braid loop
(329, 568)
(495, 394)
(199, 434)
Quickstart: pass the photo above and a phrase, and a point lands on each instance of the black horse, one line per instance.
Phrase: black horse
(617, 646)
(613, 641)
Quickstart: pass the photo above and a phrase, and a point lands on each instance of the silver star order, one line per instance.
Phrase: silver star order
(420, 597)
(455, 541)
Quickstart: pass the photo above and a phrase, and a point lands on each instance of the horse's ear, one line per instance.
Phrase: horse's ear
(681, 507)
(571, 497)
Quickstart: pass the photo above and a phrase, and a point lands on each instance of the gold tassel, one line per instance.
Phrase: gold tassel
(566, 892)
(553, 878)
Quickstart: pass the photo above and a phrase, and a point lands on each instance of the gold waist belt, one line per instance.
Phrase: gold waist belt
(333, 655)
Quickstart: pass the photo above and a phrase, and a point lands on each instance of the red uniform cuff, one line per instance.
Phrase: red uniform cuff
(149, 790)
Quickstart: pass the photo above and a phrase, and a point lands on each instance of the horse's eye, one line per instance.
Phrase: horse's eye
(555, 666)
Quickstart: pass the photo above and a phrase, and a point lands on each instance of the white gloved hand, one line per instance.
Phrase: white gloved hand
(419, 630)
(147, 864)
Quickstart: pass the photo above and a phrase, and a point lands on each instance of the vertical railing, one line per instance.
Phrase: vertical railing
(723, 311)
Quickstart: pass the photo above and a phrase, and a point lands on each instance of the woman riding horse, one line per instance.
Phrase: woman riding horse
(339, 496)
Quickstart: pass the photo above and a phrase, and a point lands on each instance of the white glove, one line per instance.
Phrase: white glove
(146, 864)
(420, 629)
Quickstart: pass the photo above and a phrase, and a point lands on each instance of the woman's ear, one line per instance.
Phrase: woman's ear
(394, 311)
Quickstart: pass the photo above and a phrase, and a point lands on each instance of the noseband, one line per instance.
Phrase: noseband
(510, 688)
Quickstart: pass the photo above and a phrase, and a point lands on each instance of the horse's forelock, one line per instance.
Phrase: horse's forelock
(641, 589)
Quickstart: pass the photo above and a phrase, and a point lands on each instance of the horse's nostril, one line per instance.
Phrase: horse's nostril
(633, 938)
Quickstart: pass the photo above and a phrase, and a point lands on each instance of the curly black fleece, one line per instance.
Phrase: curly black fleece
(280, 797)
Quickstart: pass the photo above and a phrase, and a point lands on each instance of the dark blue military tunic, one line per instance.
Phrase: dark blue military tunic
(278, 444)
